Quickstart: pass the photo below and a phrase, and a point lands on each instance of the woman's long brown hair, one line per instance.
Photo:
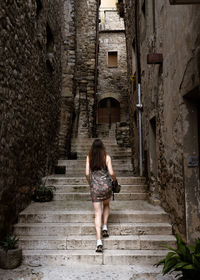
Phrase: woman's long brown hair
(97, 155)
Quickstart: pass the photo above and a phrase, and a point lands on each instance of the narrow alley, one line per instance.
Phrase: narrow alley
(124, 71)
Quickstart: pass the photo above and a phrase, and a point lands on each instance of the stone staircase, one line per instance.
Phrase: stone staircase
(62, 232)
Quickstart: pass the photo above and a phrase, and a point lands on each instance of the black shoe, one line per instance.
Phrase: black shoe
(105, 233)
(99, 249)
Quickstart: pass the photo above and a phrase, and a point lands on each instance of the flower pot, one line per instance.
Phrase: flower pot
(43, 196)
(10, 259)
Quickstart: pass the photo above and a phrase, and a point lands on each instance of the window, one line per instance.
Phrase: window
(38, 7)
(144, 8)
(153, 150)
(49, 39)
(112, 59)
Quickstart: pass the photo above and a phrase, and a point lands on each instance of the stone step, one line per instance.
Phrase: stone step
(73, 180)
(90, 140)
(118, 172)
(81, 168)
(108, 147)
(74, 165)
(85, 206)
(116, 156)
(86, 196)
(64, 216)
(86, 271)
(109, 257)
(81, 162)
(61, 229)
(85, 188)
(135, 242)
(111, 150)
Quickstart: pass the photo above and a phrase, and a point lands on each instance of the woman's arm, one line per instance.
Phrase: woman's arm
(110, 169)
(87, 170)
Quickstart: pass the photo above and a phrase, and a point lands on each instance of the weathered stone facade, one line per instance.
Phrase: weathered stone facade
(112, 80)
(86, 37)
(68, 53)
(170, 98)
(79, 36)
(129, 21)
(30, 76)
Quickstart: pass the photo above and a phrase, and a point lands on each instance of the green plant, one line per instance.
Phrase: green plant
(185, 259)
(9, 243)
(60, 169)
(43, 193)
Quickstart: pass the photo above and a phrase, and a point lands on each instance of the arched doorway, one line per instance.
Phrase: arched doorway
(108, 111)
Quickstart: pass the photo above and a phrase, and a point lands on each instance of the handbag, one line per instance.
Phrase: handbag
(115, 188)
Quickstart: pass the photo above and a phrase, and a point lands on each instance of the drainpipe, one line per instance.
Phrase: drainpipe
(94, 133)
(139, 105)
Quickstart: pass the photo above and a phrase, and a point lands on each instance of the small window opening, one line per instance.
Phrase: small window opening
(38, 7)
(153, 152)
(133, 44)
(49, 39)
(135, 119)
(112, 59)
(144, 8)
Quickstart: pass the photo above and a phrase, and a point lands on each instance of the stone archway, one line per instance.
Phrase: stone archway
(108, 111)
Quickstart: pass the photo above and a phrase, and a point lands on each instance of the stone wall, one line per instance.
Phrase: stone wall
(68, 53)
(112, 81)
(79, 23)
(129, 20)
(170, 97)
(30, 75)
(111, 20)
(86, 16)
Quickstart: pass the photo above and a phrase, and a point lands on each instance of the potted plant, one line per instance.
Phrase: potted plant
(10, 253)
(185, 260)
(43, 193)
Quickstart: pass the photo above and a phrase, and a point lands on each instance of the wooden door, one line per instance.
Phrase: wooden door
(108, 111)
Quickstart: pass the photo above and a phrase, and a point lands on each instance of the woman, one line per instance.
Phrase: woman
(98, 172)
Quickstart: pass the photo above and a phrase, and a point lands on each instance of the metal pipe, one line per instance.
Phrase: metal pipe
(139, 106)
(94, 132)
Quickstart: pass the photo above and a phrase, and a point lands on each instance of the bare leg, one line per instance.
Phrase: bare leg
(106, 211)
(97, 219)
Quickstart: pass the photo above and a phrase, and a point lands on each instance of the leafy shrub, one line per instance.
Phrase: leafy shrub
(185, 259)
(9, 243)
(43, 193)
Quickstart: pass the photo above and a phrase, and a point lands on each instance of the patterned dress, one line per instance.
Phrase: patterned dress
(101, 185)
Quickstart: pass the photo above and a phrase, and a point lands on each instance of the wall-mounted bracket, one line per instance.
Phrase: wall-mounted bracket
(154, 58)
(182, 2)
(139, 106)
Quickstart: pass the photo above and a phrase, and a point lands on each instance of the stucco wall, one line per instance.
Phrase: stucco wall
(163, 98)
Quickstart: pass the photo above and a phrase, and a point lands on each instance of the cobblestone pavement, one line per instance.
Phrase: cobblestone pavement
(81, 272)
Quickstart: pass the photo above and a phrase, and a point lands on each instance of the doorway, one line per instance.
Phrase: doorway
(108, 111)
